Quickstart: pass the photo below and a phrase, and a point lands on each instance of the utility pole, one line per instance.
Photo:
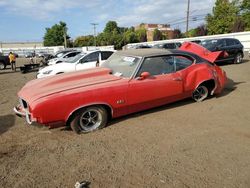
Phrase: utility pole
(94, 26)
(188, 6)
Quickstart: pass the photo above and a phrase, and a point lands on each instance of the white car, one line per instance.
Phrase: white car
(81, 61)
(63, 57)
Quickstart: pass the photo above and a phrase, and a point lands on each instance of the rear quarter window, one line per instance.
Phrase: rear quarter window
(106, 55)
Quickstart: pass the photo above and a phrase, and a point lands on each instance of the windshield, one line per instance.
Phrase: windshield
(59, 54)
(209, 44)
(75, 58)
(121, 65)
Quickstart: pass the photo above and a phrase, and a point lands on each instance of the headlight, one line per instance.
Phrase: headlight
(47, 72)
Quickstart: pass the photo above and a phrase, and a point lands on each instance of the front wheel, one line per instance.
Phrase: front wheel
(2, 66)
(200, 93)
(89, 119)
(238, 58)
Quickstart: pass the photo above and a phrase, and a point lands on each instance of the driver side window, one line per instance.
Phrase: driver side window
(90, 57)
(164, 64)
(157, 65)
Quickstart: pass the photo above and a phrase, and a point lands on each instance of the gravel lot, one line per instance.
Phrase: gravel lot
(184, 144)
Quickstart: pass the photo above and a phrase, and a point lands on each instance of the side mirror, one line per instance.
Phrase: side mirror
(144, 75)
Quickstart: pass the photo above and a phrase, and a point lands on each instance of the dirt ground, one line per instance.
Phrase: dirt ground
(184, 144)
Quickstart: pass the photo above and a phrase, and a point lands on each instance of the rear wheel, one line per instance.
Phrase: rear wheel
(200, 93)
(238, 58)
(89, 119)
(2, 66)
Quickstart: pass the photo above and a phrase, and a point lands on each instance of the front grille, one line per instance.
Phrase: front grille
(23, 103)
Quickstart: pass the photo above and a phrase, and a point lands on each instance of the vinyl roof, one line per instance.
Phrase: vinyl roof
(144, 52)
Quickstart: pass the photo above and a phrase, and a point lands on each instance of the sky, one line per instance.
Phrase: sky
(26, 20)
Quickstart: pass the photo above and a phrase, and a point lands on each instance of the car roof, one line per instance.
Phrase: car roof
(144, 52)
(221, 39)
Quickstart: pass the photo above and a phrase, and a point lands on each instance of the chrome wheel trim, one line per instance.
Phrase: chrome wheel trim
(1, 66)
(90, 120)
(239, 58)
(200, 93)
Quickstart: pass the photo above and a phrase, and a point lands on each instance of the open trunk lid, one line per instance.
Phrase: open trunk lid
(201, 51)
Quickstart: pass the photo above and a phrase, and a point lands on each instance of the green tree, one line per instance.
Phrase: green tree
(141, 35)
(110, 27)
(245, 13)
(157, 35)
(201, 30)
(54, 36)
(222, 18)
(84, 41)
(177, 34)
(130, 36)
(192, 33)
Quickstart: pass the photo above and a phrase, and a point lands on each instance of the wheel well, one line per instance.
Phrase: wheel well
(210, 84)
(107, 107)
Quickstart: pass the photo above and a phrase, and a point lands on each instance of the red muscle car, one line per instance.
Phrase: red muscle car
(129, 81)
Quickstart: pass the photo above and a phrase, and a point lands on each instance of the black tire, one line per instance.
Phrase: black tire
(89, 119)
(238, 58)
(200, 93)
(2, 66)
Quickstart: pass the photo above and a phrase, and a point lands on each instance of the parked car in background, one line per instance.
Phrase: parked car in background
(63, 57)
(43, 54)
(4, 61)
(81, 61)
(196, 41)
(29, 54)
(128, 82)
(62, 52)
(142, 46)
(233, 47)
(172, 45)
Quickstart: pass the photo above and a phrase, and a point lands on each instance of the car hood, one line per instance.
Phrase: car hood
(59, 66)
(201, 51)
(40, 88)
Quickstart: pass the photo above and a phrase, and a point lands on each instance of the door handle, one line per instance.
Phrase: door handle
(177, 79)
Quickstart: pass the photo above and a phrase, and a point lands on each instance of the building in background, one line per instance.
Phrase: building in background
(164, 28)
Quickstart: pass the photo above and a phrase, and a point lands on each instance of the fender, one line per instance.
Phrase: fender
(197, 76)
(87, 105)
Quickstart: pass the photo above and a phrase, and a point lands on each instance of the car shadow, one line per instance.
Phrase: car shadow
(229, 87)
(6, 122)
(152, 110)
(8, 72)
(225, 63)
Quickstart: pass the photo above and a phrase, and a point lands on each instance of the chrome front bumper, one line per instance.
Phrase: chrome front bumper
(20, 110)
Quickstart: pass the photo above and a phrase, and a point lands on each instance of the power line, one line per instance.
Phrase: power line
(184, 21)
(188, 6)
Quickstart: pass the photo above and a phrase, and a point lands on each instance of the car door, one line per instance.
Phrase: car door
(88, 61)
(164, 84)
(231, 48)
